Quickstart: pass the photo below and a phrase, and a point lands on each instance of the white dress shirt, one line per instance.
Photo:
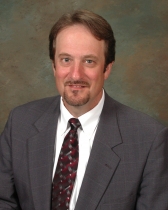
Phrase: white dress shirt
(86, 133)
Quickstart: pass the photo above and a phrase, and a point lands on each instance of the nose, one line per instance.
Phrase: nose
(76, 71)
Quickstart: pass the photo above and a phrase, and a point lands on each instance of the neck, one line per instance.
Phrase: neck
(77, 111)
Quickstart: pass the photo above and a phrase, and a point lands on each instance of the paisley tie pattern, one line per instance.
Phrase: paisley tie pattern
(65, 174)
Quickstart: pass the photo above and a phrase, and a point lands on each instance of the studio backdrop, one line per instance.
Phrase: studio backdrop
(139, 77)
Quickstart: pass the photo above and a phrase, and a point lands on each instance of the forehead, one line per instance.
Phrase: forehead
(79, 38)
(74, 28)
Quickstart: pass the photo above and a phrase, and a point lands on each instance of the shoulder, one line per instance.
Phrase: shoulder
(40, 105)
(129, 117)
(33, 110)
(131, 125)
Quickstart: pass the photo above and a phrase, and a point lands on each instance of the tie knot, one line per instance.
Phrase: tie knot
(74, 123)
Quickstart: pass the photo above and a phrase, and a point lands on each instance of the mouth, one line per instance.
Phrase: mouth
(76, 87)
(77, 84)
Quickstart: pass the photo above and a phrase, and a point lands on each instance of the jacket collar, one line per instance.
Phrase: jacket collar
(41, 156)
(103, 160)
(101, 166)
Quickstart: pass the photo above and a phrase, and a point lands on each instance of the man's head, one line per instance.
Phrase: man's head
(82, 55)
(96, 24)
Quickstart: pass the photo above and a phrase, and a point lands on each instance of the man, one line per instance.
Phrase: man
(123, 154)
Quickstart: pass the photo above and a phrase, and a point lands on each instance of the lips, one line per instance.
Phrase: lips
(76, 87)
(77, 84)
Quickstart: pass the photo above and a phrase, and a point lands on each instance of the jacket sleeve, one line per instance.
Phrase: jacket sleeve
(153, 193)
(8, 194)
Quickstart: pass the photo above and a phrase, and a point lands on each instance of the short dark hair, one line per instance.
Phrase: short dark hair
(97, 25)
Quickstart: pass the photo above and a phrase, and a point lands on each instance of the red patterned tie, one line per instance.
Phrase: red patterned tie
(65, 174)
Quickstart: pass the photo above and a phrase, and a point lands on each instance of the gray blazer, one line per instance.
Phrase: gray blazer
(127, 168)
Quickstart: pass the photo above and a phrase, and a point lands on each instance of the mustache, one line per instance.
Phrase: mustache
(77, 82)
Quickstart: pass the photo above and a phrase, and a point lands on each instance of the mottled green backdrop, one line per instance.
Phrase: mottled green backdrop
(140, 74)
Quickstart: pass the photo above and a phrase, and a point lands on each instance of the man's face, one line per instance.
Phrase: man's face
(79, 67)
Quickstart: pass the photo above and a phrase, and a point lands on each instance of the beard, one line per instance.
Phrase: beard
(75, 98)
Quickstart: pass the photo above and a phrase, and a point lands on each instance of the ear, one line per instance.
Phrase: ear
(108, 70)
(53, 67)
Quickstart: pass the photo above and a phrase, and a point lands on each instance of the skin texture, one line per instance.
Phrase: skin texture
(79, 69)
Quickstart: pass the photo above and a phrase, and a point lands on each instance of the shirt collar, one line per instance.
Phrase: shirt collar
(88, 120)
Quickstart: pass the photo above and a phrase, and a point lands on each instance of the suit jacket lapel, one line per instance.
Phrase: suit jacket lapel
(40, 157)
(103, 161)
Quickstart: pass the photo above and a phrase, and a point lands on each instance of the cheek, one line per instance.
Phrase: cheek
(96, 74)
(60, 74)
(96, 77)
(59, 79)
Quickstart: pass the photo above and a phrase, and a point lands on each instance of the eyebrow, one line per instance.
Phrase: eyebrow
(64, 54)
(90, 56)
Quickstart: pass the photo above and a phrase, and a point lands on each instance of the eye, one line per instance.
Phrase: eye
(89, 61)
(66, 60)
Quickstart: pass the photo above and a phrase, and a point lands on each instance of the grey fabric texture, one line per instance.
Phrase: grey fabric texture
(127, 168)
